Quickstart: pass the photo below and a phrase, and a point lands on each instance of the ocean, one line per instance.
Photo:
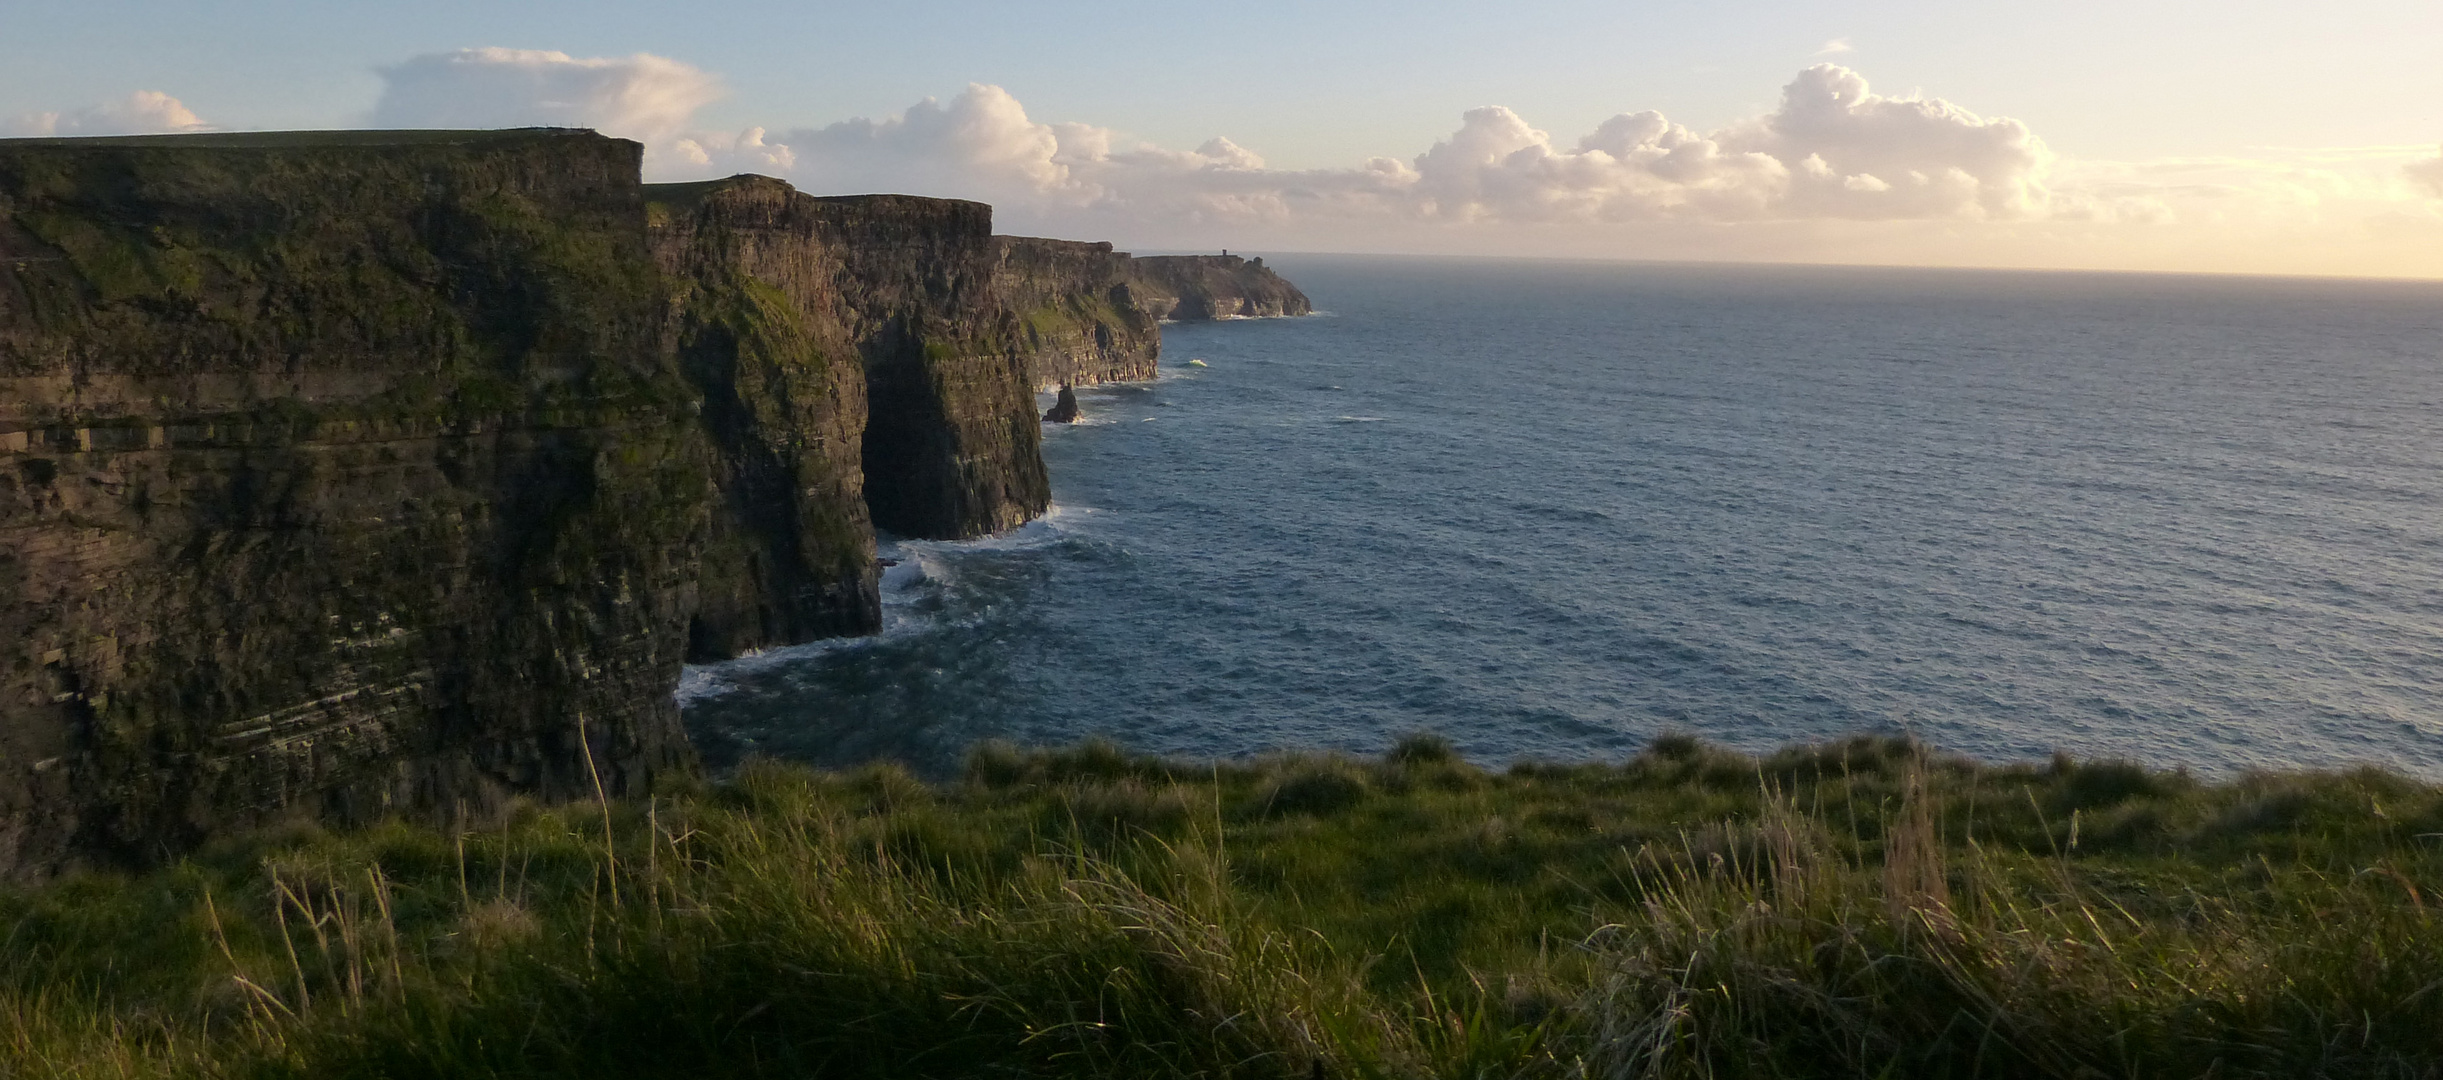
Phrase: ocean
(1550, 510)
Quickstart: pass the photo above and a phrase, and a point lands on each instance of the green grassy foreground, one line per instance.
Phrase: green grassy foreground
(1858, 909)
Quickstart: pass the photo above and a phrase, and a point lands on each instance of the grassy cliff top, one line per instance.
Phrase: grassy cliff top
(284, 140)
(690, 193)
(1851, 910)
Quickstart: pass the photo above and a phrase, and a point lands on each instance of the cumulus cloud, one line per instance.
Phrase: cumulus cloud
(145, 112)
(644, 97)
(981, 144)
(1833, 149)
(2428, 174)
(1861, 155)
(982, 140)
(1833, 170)
(1835, 47)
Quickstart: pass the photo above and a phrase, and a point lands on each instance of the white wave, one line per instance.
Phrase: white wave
(915, 574)
(935, 555)
(698, 682)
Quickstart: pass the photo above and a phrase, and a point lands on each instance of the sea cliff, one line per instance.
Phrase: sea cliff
(339, 474)
(1186, 288)
(858, 370)
(756, 327)
(1079, 319)
(1088, 314)
(353, 474)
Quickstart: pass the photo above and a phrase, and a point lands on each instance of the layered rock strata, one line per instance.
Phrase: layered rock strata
(952, 446)
(858, 369)
(757, 326)
(1185, 288)
(339, 474)
(348, 474)
(1079, 320)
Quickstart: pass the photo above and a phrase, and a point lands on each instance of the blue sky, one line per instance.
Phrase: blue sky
(2192, 126)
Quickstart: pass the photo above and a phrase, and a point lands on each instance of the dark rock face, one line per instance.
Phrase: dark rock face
(1064, 410)
(760, 326)
(1186, 288)
(857, 369)
(952, 446)
(354, 473)
(1079, 321)
(339, 473)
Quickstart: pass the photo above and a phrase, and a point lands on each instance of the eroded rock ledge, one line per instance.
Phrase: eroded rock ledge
(360, 473)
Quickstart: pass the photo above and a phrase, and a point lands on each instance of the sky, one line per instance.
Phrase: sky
(2237, 136)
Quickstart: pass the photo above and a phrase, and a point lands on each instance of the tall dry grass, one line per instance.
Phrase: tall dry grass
(1851, 910)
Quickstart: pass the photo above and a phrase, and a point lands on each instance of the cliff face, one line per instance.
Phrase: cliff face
(759, 326)
(858, 368)
(353, 473)
(1192, 287)
(953, 448)
(338, 473)
(1079, 320)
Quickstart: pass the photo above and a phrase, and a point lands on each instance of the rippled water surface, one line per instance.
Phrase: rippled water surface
(1551, 509)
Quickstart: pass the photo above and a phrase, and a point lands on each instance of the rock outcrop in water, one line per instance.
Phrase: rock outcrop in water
(1064, 408)
(348, 474)
(339, 474)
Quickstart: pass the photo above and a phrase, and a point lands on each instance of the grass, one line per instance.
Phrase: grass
(1856, 909)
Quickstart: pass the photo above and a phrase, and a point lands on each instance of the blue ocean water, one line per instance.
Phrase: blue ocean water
(1552, 509)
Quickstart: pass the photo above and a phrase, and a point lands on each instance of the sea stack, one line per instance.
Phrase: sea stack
(1063, 411)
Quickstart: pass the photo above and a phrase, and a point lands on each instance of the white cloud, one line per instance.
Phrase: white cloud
(980, 142)
(1833, 171)
(644, 97)
(145, 112)
(1833, 149)
(716, 154)
(1835, 47)
(1918, 158)
(982, 145)
(2427, 174)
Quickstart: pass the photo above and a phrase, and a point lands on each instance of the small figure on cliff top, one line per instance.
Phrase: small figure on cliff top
(1063, 411)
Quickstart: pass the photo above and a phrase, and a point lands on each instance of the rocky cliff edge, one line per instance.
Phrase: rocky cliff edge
(1184, 288)
(339, 474)
(348, 474)
(1080, 321)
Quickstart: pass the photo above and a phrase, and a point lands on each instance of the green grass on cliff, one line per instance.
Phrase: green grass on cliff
(1859, 909)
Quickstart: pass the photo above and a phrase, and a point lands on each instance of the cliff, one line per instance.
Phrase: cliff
(1079, 320)
(345, 474)
(857, 368)
(952, 445)
(756, 325)
(339, 473)
(1184, 288)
